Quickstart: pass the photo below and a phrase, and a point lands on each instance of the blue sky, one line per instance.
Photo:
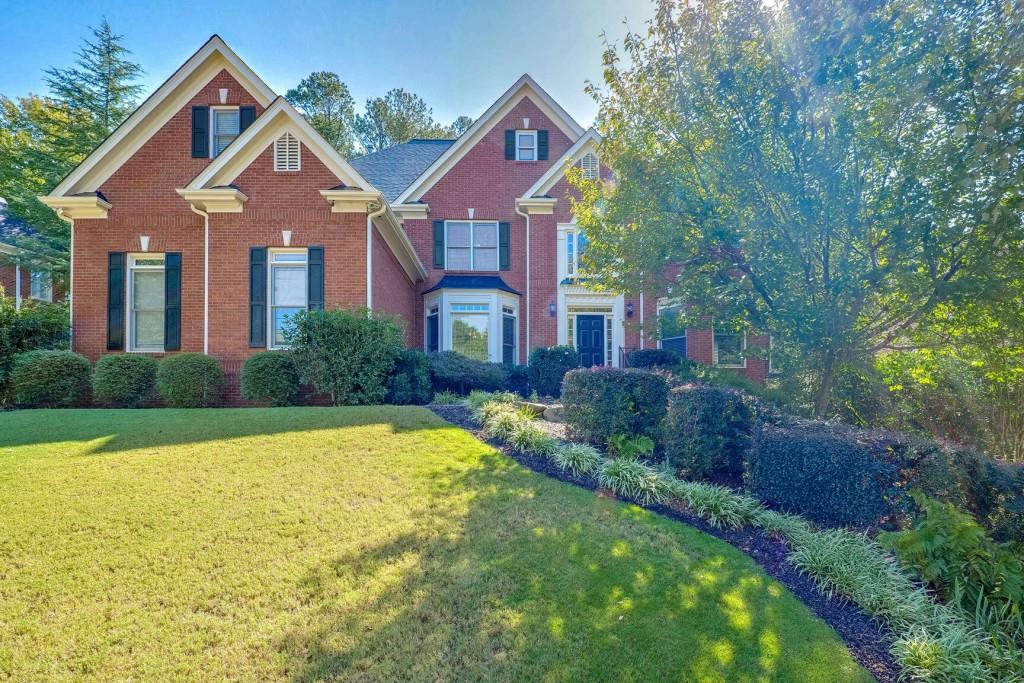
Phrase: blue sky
(458, 56)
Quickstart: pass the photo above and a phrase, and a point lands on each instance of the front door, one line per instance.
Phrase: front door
(590, 339)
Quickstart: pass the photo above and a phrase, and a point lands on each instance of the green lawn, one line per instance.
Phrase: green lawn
(357, 544)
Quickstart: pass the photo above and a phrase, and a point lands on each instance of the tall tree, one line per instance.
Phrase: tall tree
(832, 173)
(397, 117)
(326, 103)
(460, 125)
(43, 138)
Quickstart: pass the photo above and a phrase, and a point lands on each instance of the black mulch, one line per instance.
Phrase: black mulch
(868, 640)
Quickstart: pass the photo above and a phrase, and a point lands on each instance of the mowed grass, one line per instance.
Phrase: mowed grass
(357, 544)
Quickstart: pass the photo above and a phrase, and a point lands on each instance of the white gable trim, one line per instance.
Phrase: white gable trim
(587, 143)
(279, 117)
(157, 109)
(524, 87)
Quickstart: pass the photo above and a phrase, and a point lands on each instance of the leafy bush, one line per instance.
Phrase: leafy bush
(124, 380)
(708, 431)
(409, 382)
(271, 376)
(189, 380)
(652, 358)
(831, 474)
(35, 326)
(347, 353)
(548, 367)
(952, 553)
(602, 402)
(630, 447)
(446, 398)
(519, 380)
(450, 371)
(633, 479)
(577, 458)
(50, 379)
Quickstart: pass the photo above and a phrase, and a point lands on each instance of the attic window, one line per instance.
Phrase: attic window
(590, 166)
(286, 153)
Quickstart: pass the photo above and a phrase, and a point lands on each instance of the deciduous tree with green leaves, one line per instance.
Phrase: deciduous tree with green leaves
(833, 173)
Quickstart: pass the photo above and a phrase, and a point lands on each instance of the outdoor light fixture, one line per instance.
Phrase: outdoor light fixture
(551, 310)
(629, 310)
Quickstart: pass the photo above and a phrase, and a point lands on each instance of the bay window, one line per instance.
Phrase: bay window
(471, 245)
(479, 324)
(729, 348)
(146, 288)
(470, 324)
(288, 284)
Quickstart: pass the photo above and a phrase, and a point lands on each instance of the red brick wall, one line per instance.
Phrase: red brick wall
(485, 181)
(8, 278)
(393, 291)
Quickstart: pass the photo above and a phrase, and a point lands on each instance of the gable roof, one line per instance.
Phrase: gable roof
(278, 118)
(587, 143)
(157, 109)
(391, 170)
(524, 87)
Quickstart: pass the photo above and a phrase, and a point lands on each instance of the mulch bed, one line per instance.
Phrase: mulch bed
(868, 640)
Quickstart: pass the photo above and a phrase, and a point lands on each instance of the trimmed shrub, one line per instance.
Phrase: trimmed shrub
(602, 402)
(347, 353)
(830, 474)
(708, 431)
(124, 380)
(548, 367)
(409, 383)
(652, 358)
(189, 380)
(50, 379)
(519, 380)
(450, 371)
(35, 326)
(271, 376)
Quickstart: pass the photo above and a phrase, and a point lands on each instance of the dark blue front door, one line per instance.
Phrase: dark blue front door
(590, 339)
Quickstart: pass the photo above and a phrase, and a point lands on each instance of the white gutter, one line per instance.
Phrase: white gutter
(206, 277)
(527, 305)
(369, 250)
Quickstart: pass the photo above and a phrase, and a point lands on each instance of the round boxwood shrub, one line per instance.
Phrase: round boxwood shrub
(50, 379)
(189, 380)
(603, 402)
(409, 383)
(271, 376)
(124, 380)
(652, 358)
(548, 367)
(707, 431)
(450, 371)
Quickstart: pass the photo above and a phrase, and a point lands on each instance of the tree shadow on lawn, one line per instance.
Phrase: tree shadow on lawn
(115, 430)
(537, 579)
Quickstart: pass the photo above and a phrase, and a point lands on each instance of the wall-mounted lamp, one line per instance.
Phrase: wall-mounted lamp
(144, 242)
(551, 310)
(629, 310)
(286, 237)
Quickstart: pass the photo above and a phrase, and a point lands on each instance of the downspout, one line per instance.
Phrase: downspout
(206, 277)
(641, 321)
(17, 287)
(369, 249)
(529, 311)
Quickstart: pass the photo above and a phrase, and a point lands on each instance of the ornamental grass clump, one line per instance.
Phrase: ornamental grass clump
(717, 504)
(633, 479)
(577, 458)
(529, 438)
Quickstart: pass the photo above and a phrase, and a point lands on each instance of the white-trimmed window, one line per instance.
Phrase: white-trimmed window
(590, 167)
(288, 292)
(526, 145)
(575, 245)
(286, 153)
(146, 287)
(729, 348)
(471, 245)
(41, 285)
(470, 330)
(671, 328)
(225, 125)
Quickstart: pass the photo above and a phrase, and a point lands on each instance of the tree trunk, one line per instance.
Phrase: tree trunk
(823, 395)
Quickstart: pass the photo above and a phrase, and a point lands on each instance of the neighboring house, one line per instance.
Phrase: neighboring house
(18, 282)
(215, 211)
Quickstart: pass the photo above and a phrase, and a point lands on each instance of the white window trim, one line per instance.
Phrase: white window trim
(298, 153)
(472, 250)
(572, 265)
(129, 303)
(496, 301)
(533, 134)
(49, 285)
(714, 348)
(270, 288)
(772, 370)
(213, 132)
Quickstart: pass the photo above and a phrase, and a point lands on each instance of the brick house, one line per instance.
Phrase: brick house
(215, 210)
(18, 281)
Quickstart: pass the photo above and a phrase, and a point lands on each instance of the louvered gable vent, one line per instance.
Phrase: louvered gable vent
(589, 165)
(286, 153)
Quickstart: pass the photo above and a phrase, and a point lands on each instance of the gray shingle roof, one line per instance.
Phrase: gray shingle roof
(393, 169)
(12, 228)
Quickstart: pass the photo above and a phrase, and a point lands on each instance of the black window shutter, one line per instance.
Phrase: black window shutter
(257, 297)
(542, 145)
(200, 132)
(504, 247)
(246, 115)
(115, 301)
(433, 333)
(315, 291)
(510, 144)
(439, 244)
(172, 301)
(508, 340)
